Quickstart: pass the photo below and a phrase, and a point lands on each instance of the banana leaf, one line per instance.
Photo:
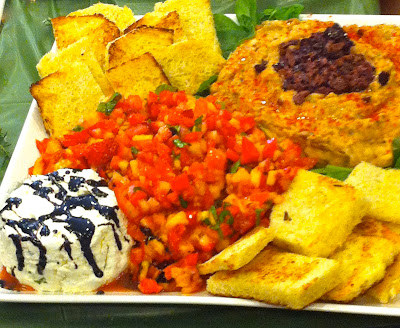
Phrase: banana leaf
(26, 35)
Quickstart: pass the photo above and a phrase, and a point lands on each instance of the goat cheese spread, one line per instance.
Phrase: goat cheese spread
(63, 232)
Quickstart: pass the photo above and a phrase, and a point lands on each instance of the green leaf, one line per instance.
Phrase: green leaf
(197, 123)
(229, 33)
(246, 14)
(41, 280)
(281, 13)
(183, 202)
(258, 216)
(4, 151)
(204, 89)
(137, 188)
(235, 167)
(336, 172)
(213, 211)
(134, 151)
(179, 143)
(78, 128)
(163, 87)
(396, 152)
(108, 107)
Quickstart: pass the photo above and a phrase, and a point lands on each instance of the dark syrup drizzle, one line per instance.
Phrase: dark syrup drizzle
(83, 228)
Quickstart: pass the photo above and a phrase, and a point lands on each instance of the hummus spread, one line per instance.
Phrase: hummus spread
(332, 90)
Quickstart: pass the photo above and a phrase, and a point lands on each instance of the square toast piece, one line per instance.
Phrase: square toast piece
(136, 43)
(278, 277)
(317, 215)
(137, 76)
(363, 258)
(121, 16)
(239, 253)
(380, 188)
(66, 97)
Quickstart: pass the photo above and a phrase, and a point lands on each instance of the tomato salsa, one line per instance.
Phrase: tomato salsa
(190, 176)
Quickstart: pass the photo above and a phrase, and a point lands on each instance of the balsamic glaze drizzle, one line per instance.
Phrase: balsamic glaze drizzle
(82, 227)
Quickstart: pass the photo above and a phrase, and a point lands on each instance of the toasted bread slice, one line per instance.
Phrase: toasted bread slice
(137, 76)
(84, 50)
(240, 253)
(278, 277)
(380, 187)
(364, 257)
(317, 215)
(196, 18)
(389, 287)
(136, 43)
(185, 65)
(168, 21)
(68, 30)
(121, 16)
(66, 97)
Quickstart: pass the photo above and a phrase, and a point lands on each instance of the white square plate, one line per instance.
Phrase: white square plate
(25, 154)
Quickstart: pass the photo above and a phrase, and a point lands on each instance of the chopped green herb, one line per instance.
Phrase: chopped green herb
(163, 87)
(108, 107)
(41, 280)
(396, 152)
(258, 216)
(213, 211)
(204, 89)
(137, 188)
(197, 123)
(175, 156)
(4, 152)
(180, 144)
(134, 151)
(336, 172)
(175, 129)
(235, 167)
(78, 128)
(183, 202)
(46, 21)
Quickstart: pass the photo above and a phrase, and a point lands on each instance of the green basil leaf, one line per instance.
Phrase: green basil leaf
(396, 152)
(163, 87)
(108, 107)
(204, 89)
(179, 143)
(258, 216)
(235, 167)
(246, 12)
(134, 151)
(281, 13)
(183, 202)
(229, 34)
(336, 172)
(197, 123)
(78, 128)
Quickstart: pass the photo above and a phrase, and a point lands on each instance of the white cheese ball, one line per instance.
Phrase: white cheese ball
(63, 232)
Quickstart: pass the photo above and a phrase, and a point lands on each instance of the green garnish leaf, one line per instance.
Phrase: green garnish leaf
(4, 152)
(179, 143)
(78, 128)
(235, 167)
(197, 123)
(213, 211)
(281, 13)
(232, 35)
(336, 172)
(134, 151)
(41, 280)
(183, 202)
(258, 216)
(137, 188)
(204, 89)
(46, 21)
(163, 87)
(175, 128)
(396, 152)
(108, 107)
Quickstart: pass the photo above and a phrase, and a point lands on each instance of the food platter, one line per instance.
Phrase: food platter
(26, 153)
